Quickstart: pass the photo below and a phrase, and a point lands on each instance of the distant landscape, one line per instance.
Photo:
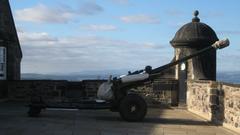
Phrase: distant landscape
(230, 77)
(76, 76)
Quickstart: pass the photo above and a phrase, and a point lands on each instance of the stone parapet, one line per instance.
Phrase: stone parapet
(161, 91)
(50, 90)
(198, 95)
(217, 102)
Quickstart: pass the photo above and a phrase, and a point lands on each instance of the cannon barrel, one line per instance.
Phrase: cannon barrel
(217, 45)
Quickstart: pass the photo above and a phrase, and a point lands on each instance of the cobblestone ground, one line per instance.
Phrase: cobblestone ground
(14, 121)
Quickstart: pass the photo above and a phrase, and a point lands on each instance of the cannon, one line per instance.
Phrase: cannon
(118, 94)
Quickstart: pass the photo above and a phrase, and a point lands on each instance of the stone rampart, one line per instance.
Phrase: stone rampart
(53, 90)
(161, 91)
(217, 102)
(157, 92)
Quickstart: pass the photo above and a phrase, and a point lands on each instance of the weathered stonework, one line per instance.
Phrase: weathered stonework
(198, 98)
(22, 90)
(157, 92)
(189, 65)
(160, 92)
(216, 101)
(231, 106)
(52, 91)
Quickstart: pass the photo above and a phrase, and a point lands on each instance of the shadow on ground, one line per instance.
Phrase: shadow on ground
(160, 121)
(157, 120)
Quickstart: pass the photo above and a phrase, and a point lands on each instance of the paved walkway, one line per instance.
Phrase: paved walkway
(14, 121)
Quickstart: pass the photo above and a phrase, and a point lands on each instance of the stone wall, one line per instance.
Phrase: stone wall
(231, 106)
(161, 91)
(52, 90)
(22, 90)
(198, 98)
(215, 101)
(9, 37)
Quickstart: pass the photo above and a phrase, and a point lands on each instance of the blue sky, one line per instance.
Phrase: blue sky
(59, 36)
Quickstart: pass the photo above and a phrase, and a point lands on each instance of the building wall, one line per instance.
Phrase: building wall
(216, 101)
(9, 37)
(51, 90)
(13, 65)
(190, 74)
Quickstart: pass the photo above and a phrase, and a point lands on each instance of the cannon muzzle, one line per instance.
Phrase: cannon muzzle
(221, 44)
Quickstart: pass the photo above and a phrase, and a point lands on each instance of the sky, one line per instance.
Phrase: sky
(70, 36)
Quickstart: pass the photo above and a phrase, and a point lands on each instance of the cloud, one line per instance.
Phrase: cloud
(44, 53)
(99, 27)
(42, 13)
(141, 18)
(90, 8)
(154, 45)
(61, 14)
(229, 32)
(35, 37)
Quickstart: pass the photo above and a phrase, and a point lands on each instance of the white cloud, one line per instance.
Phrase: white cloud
(141, 18)
(153, 45)
(62, 14)
(99, 27)
(35, 37)
(42, 13)
(43, 53)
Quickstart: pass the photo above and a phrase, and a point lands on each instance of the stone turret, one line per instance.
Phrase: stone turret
(190, 38)
(10, 50)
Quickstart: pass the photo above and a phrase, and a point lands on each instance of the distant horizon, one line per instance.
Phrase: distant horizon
(221, 76)
(53, 73)
(61, 36)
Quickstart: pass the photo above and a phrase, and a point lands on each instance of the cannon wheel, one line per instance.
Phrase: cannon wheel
(133, 108)
(34, 111)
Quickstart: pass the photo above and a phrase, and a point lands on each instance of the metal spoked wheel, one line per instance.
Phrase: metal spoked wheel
(133, 108)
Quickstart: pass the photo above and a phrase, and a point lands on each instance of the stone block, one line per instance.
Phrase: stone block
(213, 91)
